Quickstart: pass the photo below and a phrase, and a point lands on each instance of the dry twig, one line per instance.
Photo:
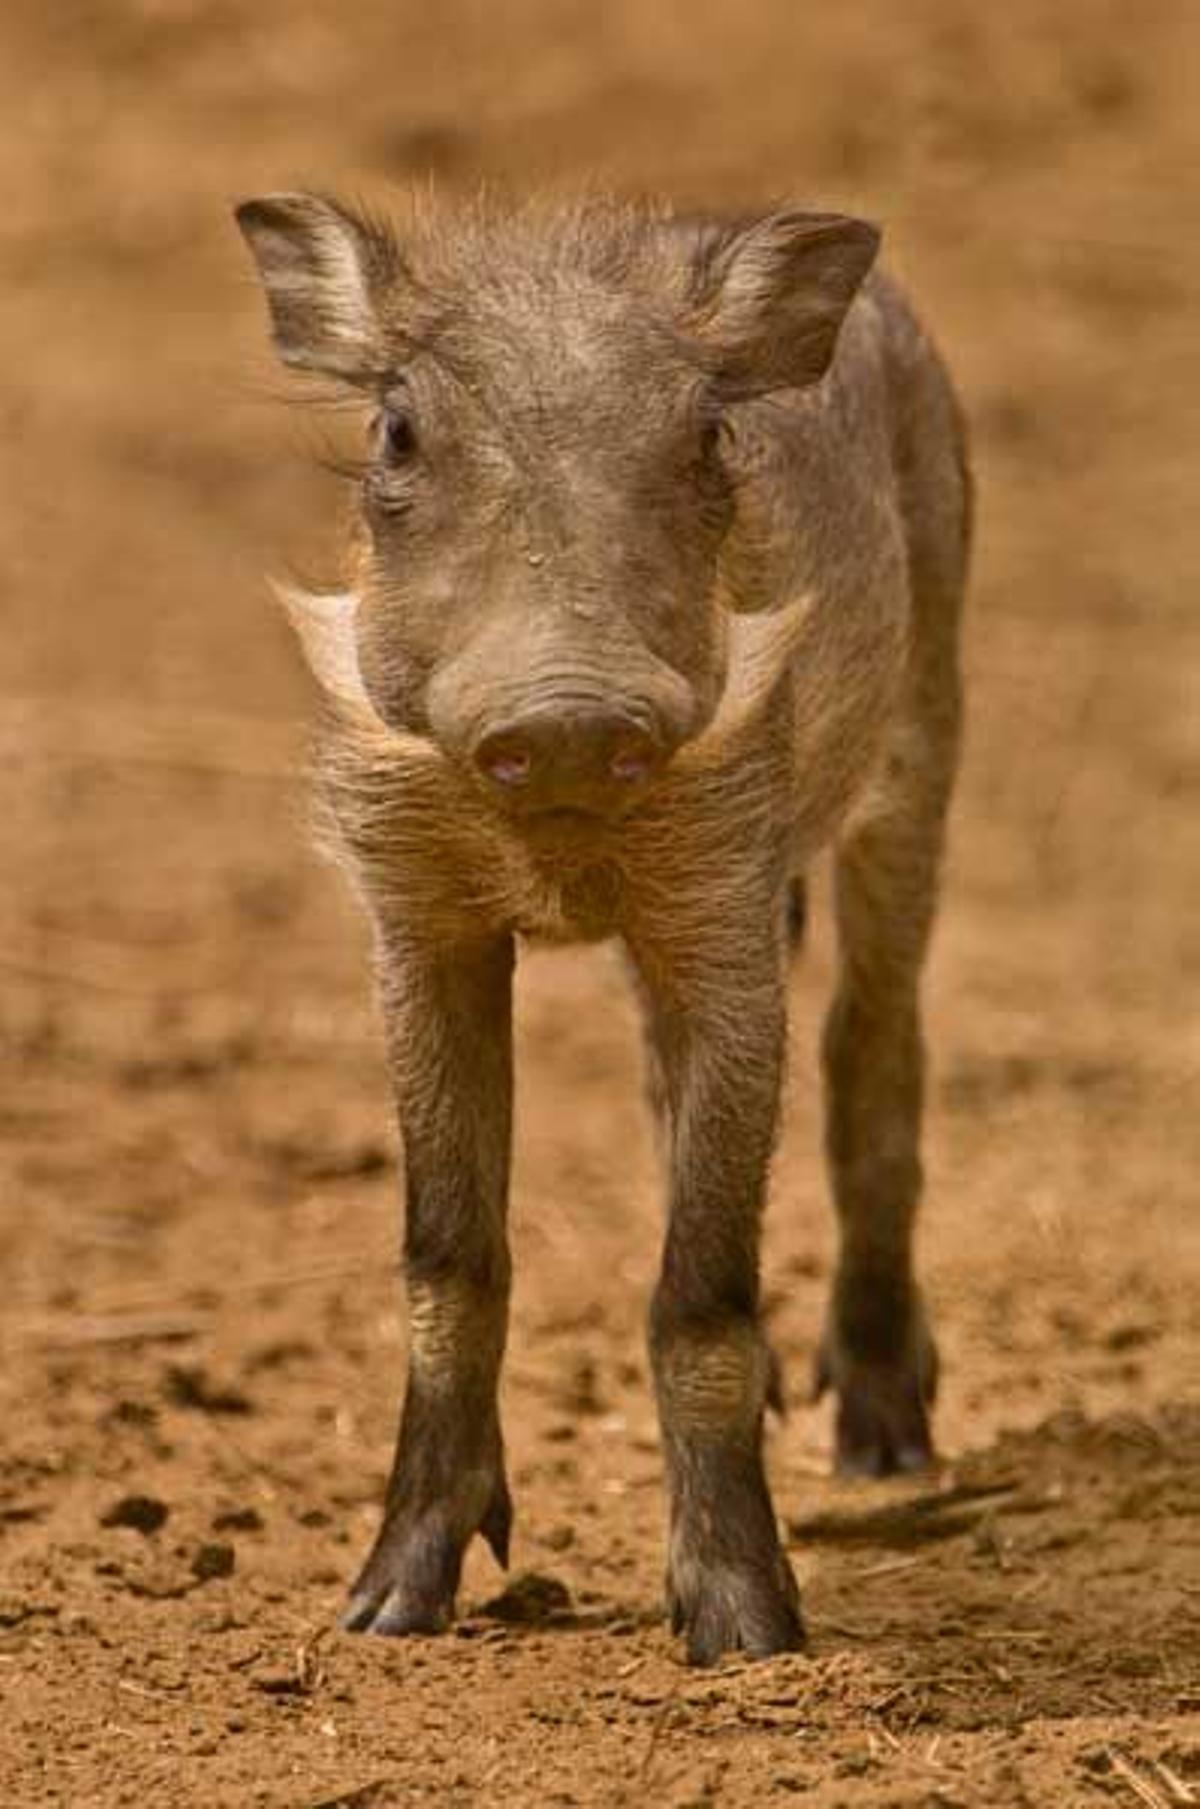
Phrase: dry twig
(129, 1328)
(1140, 1786)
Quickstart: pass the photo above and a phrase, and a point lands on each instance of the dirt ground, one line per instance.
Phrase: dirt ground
(201, 1332)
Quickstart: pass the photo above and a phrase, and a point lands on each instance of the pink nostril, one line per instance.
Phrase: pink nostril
(630, 764)
(508, 769)
(504, 762)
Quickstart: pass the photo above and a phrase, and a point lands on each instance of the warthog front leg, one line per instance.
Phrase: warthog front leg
(720, 1043)
(449, 1017)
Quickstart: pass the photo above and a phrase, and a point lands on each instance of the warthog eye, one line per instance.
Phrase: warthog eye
(398, 441)
(710, 424)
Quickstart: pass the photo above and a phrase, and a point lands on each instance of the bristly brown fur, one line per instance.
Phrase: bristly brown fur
(709, 474)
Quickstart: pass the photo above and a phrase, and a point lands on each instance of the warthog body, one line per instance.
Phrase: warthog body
(655, 594)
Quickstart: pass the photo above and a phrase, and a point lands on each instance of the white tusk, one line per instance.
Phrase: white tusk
(760, 647)
(324, 622)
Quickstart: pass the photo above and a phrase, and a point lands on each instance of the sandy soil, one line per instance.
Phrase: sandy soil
(202, 1347)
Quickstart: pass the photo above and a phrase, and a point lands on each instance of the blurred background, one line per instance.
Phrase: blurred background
(195, 1142)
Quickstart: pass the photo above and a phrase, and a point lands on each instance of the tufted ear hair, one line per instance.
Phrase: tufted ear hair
(324, 269)
(770, 296)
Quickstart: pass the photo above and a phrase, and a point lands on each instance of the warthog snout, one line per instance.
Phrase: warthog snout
(591, 758)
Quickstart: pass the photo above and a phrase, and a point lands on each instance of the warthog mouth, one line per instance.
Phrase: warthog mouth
(554, 821)
(564, 823)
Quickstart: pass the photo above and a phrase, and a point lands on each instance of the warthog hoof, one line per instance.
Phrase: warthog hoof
(410, 1581)
(882, 1421)
(718, 1610)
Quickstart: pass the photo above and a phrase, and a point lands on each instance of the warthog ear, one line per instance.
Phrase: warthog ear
(771, 296)
(324, 269)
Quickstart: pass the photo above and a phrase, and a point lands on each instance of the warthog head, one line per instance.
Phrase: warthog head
(544, 582)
